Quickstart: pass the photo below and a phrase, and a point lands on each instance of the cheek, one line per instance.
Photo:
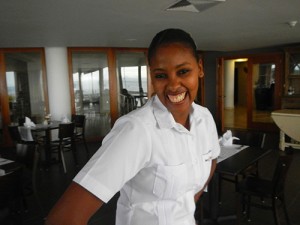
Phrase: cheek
(158, 87)
(193, 84)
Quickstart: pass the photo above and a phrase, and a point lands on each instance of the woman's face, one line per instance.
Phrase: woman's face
(174, 74)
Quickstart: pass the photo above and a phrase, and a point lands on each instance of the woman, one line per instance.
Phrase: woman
(160, 157)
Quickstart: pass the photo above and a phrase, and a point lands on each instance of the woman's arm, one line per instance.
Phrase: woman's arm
(75, 207)
(212, 170)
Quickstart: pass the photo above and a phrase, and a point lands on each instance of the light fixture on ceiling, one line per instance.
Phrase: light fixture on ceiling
(193, 5)
(292, 23)
(241, 60)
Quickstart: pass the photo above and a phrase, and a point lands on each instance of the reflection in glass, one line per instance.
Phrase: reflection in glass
(91, 91)
(24, 80)
(132, 77)
(294, 64)
(263, 92)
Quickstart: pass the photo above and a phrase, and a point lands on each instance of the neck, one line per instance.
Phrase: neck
(183, 120)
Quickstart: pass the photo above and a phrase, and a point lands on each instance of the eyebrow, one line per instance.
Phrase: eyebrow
(178, 66)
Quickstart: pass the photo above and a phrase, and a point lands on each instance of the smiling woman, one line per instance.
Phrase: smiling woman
(160, 157)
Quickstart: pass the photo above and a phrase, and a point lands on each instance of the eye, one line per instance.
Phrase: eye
(160, 76)
(183, 71)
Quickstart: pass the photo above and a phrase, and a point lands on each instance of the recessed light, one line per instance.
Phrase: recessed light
(292, 23)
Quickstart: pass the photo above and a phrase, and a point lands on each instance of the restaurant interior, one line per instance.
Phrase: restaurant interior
(66, 61)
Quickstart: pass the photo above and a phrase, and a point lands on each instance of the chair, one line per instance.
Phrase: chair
(264, 189)
(250, 138)
(27, 152)
(128, 102)
(65, 140)
(79, 135)
(11, 197)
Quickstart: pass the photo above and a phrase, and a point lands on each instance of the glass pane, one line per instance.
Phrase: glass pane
(91, 91)
(294, 64)
(263, 92)
(24, 80)
(132, 75)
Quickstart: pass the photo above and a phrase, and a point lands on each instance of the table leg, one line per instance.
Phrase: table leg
(48, 148)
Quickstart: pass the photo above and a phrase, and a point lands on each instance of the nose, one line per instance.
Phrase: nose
(174, 83)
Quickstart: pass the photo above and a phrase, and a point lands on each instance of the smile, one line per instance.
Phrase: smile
(177, 98)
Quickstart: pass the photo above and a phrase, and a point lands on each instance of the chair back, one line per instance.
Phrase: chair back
(280, 173)
(14, 133)
(66, 130)
(248, 137)
(79, 121)
(21, 121)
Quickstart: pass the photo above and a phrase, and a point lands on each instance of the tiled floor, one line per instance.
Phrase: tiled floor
(53, 182)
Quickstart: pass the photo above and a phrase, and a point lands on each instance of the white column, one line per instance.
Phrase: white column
(58, 82)
(229, 84)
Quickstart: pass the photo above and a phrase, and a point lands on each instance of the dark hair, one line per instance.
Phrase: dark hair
(169, 36)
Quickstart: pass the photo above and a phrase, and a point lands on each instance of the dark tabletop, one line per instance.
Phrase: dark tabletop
(241, 160)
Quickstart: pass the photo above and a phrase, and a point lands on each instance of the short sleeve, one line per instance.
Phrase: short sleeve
(124, 152)
(213, 135)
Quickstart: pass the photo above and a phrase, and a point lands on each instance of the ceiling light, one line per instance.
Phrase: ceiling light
(292, 23)
(193, 5)
(241, 60)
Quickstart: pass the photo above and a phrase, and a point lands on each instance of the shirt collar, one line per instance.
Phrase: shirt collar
(165, 119)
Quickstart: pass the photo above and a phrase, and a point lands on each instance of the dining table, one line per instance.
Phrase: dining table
(233, 160)
(46, 129)
(8, 166)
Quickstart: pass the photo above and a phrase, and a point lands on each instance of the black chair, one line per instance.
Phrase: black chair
(11, 197)
(65, 141)
(127, 101)
(14, 133)
(27, 153)
(249, 138)
(79, 133)
(266, 189)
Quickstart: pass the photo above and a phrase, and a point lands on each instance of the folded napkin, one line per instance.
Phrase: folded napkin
(25, 133)
(28, 122)
(227, 139)
(65, 119)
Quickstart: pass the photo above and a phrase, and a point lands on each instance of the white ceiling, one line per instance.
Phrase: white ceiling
(228, 26)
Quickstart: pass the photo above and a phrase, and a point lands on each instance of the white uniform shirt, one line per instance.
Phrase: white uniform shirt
(156, 164)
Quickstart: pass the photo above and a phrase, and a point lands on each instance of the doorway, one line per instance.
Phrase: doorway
(249, 89)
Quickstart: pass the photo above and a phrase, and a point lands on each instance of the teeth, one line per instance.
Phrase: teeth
(177, 98)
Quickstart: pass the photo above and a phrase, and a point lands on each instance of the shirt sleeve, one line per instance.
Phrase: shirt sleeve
(214, 136)
(124, 152)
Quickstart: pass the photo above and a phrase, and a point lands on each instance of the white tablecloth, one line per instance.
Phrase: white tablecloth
(228, 151)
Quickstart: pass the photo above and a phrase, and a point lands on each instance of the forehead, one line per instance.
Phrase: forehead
(172, 52)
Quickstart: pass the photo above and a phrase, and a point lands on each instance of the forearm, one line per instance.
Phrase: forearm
(75, 207)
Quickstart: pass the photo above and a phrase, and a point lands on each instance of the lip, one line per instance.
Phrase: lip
(177, 98)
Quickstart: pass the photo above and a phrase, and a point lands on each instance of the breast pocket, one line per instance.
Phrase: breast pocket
(170, 181)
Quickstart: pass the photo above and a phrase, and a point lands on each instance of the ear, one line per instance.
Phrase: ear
(201, 71)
